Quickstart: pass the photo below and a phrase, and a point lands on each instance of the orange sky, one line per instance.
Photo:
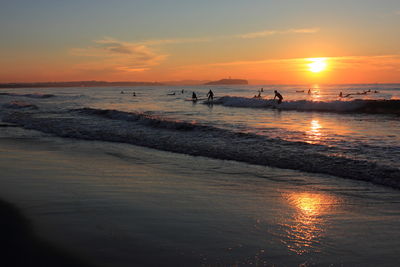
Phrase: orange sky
(207, 41)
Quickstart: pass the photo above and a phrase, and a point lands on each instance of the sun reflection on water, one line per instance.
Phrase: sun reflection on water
(314, 132)
(307, 223)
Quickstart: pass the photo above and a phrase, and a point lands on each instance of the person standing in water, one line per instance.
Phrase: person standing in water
(194, 96)
(279, 96)
(210, 95)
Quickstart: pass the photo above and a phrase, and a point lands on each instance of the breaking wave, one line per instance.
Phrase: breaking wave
(360, 106)
(201, 140)
(35, 95)
(19, 105)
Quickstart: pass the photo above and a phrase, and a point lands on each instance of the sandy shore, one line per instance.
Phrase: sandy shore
(20, 246)
(117, 205)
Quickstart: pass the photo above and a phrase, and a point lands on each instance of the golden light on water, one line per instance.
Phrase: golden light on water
(317, 64)
(307, 224)
(314, 132)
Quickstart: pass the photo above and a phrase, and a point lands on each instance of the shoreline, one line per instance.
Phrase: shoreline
(117, 205)
(21, 246)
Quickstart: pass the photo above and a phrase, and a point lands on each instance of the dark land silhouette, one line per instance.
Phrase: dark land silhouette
(77, 84)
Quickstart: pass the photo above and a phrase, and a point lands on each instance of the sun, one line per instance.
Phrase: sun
(317, 64)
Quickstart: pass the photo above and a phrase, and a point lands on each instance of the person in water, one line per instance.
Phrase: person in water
(340, 94)
(279, 96)
(210, 95)
(134, 94)
(194, 96)
(309, 91)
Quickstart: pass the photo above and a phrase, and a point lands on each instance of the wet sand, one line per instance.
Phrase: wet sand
(121, 205)
(20, 247)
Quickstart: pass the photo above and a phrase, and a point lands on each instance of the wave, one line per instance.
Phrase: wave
(143, 119)
(19, 105)
(355, 106)
(201, 140)
(35, 95)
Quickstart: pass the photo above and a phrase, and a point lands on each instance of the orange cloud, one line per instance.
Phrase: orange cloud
(113, 55)
(274, 32)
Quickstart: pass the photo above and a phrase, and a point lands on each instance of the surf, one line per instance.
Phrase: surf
(201, 140)
(338, 106)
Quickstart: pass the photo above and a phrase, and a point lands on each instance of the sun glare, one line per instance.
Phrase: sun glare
(317, 64)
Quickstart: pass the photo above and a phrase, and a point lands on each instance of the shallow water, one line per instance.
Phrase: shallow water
(371, 137)
(120, 205)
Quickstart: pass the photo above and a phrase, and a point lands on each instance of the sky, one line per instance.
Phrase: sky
(263, 41)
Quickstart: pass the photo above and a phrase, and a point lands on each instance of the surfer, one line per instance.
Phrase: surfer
(340, 94)
(279, 96)
(134, 94)
(194, 97)
(262, 90)
(309, 91)
(210, 95)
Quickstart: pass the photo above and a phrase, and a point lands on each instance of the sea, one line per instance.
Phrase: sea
(147, 176)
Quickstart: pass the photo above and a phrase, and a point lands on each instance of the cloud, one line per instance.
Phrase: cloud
(275, 32)
(177, 41)
(109, 54)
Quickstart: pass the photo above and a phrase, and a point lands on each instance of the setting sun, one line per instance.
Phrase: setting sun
(317, 64)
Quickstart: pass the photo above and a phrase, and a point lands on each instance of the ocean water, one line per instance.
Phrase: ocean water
(310, 182)
(355, 137)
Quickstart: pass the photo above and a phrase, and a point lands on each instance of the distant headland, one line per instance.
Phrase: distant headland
(77, 84)
(110, 84)
(227, 82)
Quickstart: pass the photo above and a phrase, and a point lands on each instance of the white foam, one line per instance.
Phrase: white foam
(198, 140)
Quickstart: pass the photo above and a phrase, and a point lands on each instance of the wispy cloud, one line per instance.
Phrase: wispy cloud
(275, 32)
(176, 41)
(244, 36)
(114, 55)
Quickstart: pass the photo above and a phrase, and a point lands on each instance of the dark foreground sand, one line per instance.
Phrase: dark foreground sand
(20, 247)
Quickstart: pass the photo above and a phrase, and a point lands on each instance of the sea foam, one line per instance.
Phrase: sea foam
(201, 140)
(355, 106)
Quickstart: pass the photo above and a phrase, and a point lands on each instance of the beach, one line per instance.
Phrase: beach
(200, 133)
(21, 247)
(118, 204)
(152, 179)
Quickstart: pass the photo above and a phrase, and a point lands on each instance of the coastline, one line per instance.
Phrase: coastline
(118, 205)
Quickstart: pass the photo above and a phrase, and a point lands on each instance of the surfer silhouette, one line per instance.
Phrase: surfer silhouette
(210, 95)
(194, 96)
(279, 96)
